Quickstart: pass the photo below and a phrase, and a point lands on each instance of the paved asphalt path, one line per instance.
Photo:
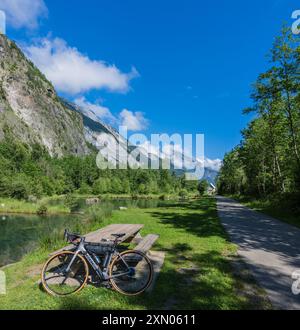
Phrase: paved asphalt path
(270, 247)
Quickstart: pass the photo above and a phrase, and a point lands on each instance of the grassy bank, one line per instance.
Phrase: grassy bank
(197, 272)
(54, 205)
(9, 205)
(135, 196)
(278, 209)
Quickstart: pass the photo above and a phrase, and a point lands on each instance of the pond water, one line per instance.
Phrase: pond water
(21, 234)
(81, 205)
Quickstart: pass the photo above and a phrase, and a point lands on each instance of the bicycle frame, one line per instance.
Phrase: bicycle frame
(102, 274)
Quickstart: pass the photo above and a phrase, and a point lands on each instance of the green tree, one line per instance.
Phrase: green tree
(266, 163)
(202, 187)
(285, 56)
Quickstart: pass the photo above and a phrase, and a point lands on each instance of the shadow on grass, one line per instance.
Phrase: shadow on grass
(205, 286)
(202, 224)
(76, 302)
(203, 282)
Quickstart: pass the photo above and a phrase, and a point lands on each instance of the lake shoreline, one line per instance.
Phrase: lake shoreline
(3, 213)
(9, 206)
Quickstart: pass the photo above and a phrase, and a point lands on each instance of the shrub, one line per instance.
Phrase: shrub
(202, 187)
(101, 186)
(42, 210)
(183, 193)
(15, 187)
(164, 197)
(84, 189)
(98, 213)
(32, 199)
(71, 202)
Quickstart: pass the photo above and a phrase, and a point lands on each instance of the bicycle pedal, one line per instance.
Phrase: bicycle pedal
(107, 285)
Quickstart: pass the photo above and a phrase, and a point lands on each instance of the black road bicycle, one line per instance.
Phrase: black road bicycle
(129, 272)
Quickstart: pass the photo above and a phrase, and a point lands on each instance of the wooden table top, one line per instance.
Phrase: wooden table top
(106, 232)
(130, 231)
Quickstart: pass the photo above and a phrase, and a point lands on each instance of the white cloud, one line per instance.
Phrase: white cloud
(24, 13)
(94, 111)
(134, 121)
(213, 164)
(72, 72)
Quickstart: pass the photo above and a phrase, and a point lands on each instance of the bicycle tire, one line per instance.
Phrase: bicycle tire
(148, 280)
(64, 253)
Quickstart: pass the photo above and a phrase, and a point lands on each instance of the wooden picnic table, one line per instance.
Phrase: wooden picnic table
(132, 234)
(130, 231)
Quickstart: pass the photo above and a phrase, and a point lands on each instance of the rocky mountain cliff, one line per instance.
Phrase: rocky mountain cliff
(31, 109)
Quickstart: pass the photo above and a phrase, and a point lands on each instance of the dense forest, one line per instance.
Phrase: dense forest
(266, 164)
(29, 171)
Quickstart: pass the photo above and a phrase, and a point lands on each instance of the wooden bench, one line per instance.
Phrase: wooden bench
(143, 246)
(146, 243)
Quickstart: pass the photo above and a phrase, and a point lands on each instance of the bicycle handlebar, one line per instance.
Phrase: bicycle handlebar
(72, 237)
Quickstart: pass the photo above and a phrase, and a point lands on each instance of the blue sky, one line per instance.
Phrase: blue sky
(179, 66)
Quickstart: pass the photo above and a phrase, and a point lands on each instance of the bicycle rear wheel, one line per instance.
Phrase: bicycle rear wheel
(131, 273)
(59, 279)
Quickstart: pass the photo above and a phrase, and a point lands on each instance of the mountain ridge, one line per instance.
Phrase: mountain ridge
(95, 127)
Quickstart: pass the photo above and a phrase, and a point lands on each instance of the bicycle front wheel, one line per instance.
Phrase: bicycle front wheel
(64, 274)
(131, 273)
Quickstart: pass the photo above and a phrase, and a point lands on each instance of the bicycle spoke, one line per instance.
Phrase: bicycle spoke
(59, 282)
(131, 273)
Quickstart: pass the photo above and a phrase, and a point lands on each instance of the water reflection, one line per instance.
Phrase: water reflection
(81, 204)
(20, 234)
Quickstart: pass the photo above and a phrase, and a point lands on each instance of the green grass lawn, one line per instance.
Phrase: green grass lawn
(192, 237)
(9, 205)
